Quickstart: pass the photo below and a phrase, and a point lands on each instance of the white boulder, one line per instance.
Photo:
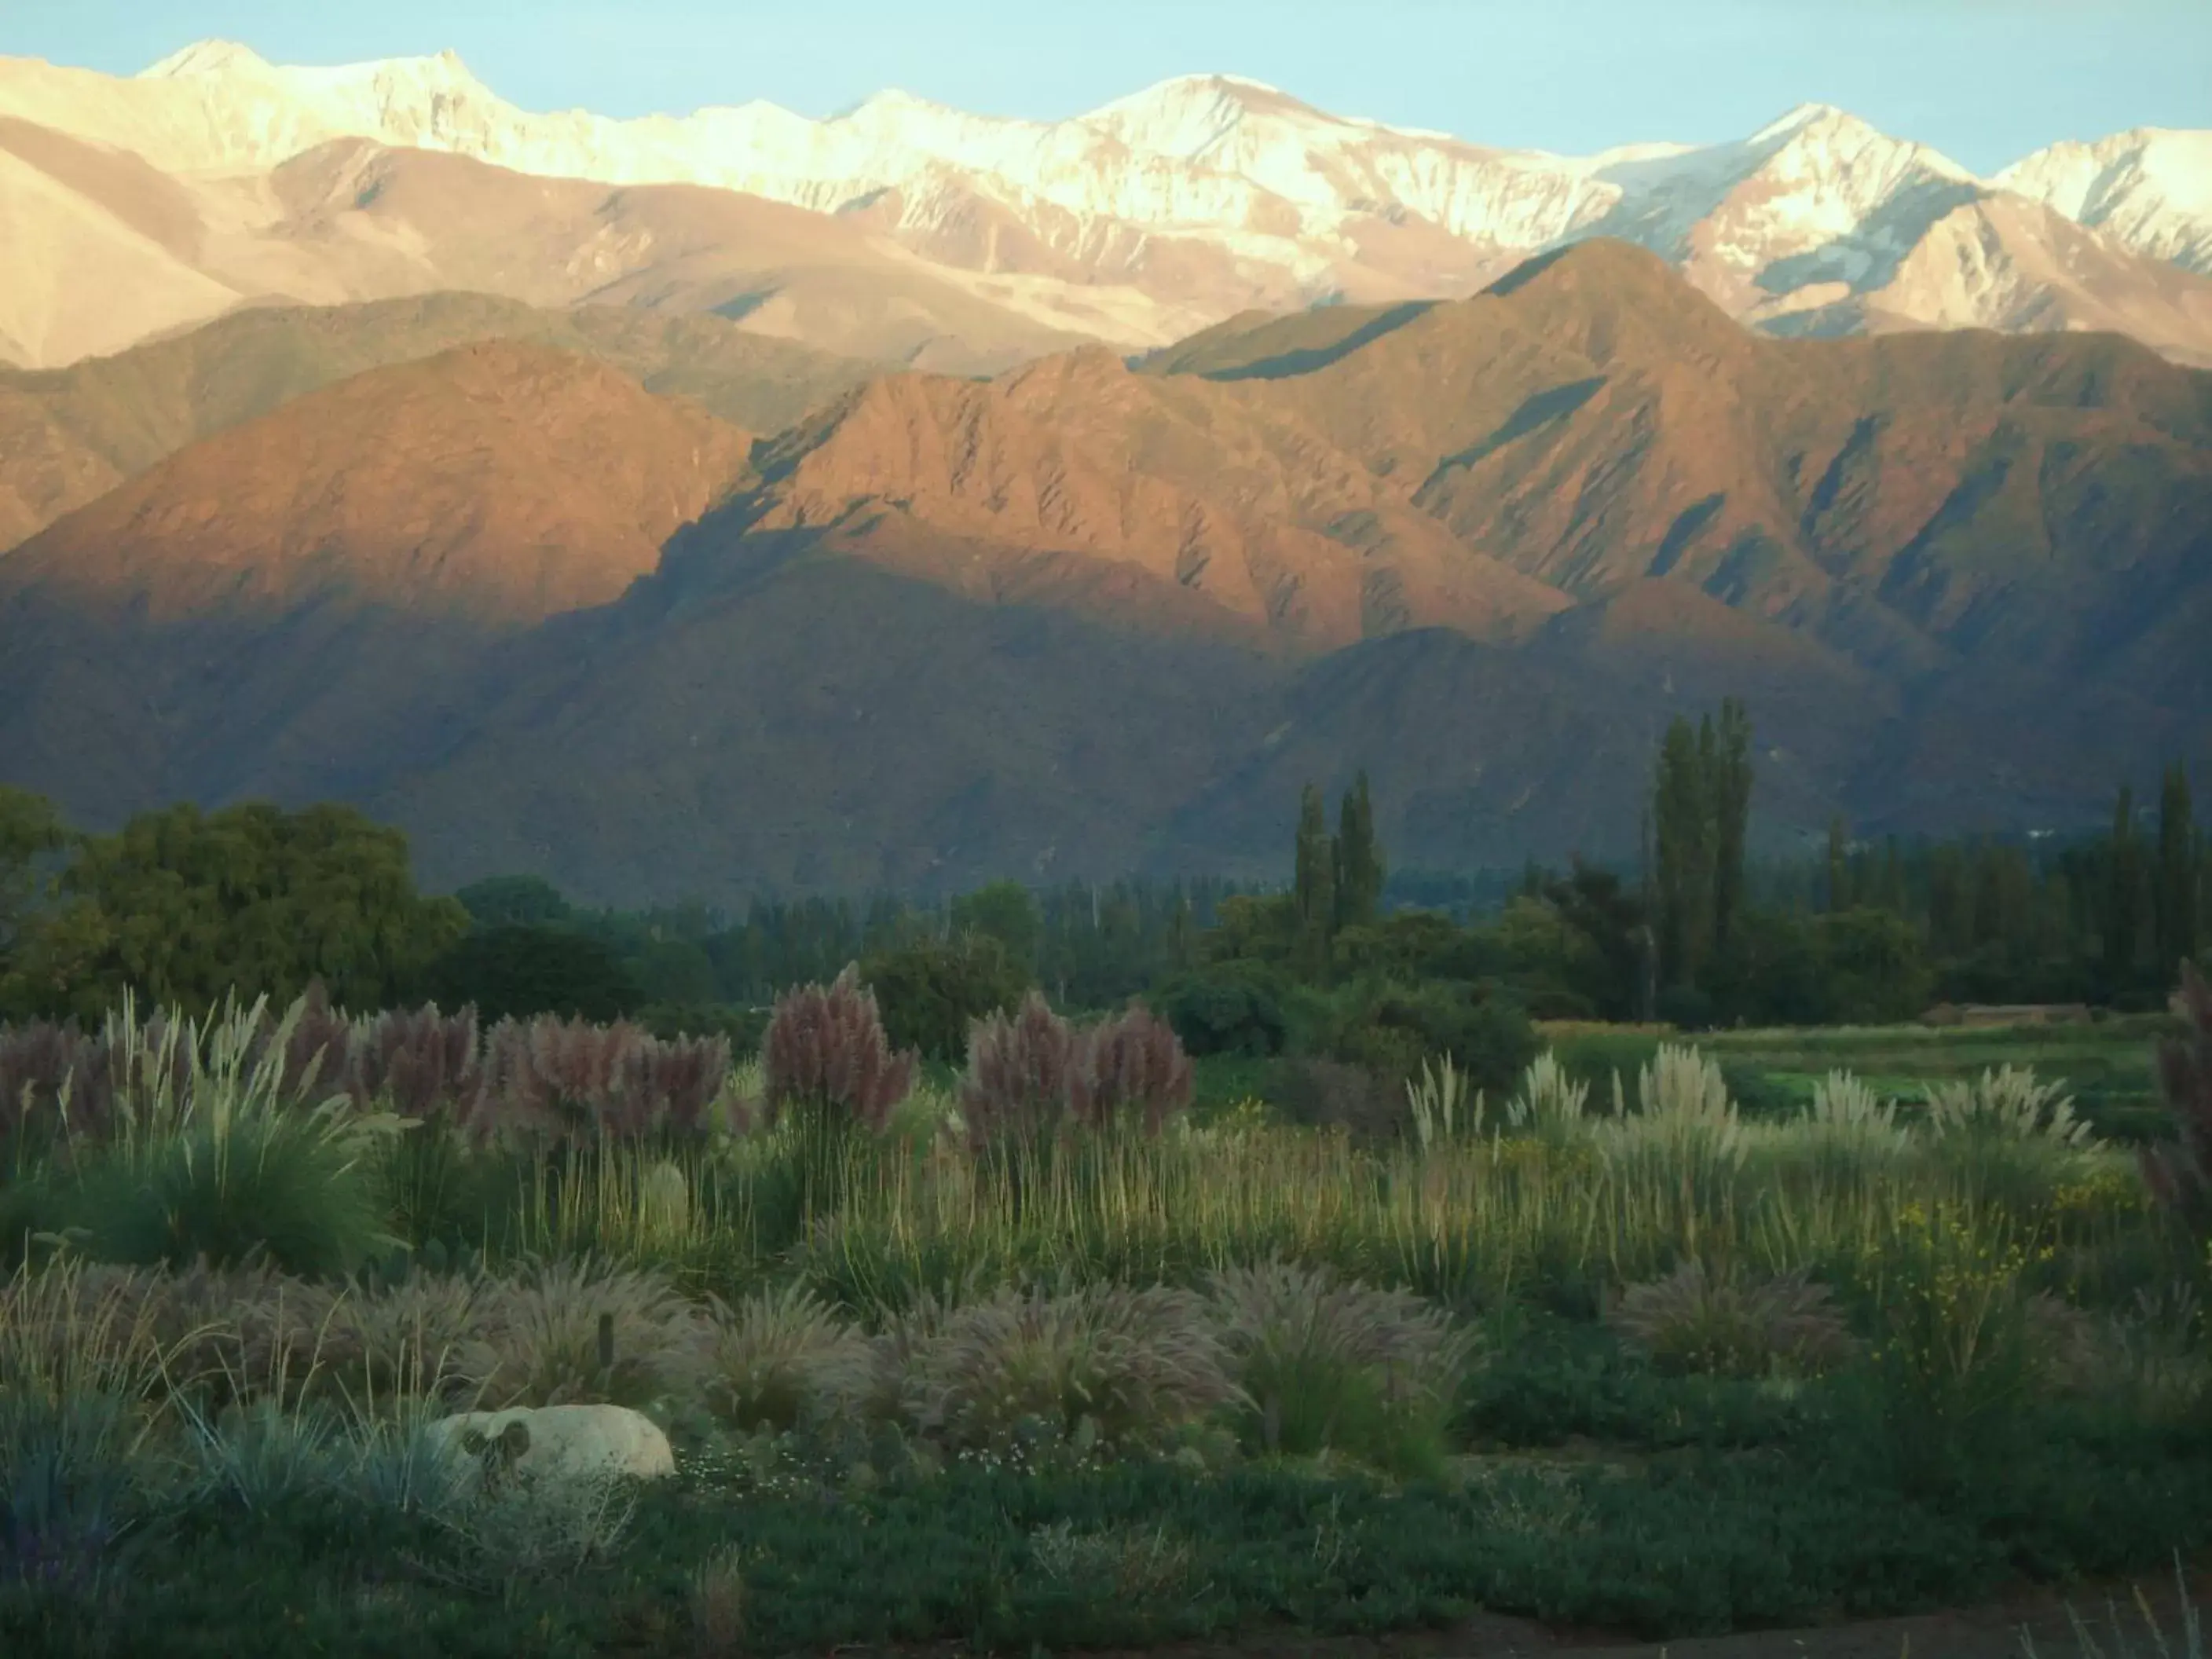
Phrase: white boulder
(560, 1442)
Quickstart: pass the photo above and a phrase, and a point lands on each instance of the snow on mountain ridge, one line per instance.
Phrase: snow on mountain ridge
(1196, 155)
(1209, 192)
(205, 58)
(2150, 189)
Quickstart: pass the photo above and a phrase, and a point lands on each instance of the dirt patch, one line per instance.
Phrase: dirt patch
(1994, 1630)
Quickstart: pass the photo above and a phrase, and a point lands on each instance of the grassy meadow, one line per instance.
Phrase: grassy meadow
(1780, 1330)
(2106, 1064)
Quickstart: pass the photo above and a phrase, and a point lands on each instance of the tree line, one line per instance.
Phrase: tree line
(183, 905)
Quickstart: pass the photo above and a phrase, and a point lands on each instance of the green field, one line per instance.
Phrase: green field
(1706, 1366)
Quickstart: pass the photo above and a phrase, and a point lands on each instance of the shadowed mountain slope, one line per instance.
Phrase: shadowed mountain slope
(1082, 618)
(68, 435)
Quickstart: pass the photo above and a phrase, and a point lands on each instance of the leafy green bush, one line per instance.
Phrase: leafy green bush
(1326, 1093)
(743, 1028)
(1393, 1030)
(1222, 1012)
(930, 992)
(519, 970)
(212, 1156)
(1953, 1358)
(2179, 1173)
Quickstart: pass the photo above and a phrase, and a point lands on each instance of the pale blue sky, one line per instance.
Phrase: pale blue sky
(1984, 81)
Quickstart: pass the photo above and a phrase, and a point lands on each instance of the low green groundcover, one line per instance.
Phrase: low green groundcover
(1753, 1517)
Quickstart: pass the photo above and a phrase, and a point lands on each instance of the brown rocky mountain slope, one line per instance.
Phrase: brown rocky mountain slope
(69, 435)
(1083, 618)
(289, 592)
(1908, 503)
(502, 480)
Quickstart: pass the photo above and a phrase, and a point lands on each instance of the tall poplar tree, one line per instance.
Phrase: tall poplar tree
(1315, 886)
(2122, 889)
(2178, 895)
(1839, 866)
(1359, 870)
(1700, 818)
(1728, 782)
(1683, 831)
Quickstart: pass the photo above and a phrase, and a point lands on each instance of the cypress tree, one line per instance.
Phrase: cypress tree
(1358, 859)
(1682, 829)
(1729, 786)
(2123, 884)
(2178, 898)
(1893, 896)
(1315, 888)
(1839, 867)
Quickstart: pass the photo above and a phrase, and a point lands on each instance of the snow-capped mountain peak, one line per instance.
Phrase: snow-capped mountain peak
(2151, 188)
(207, 57)
(1798, 118)
(1202, 194)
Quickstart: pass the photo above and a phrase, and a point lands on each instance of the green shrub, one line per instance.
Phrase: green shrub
(588, 1332)
(1100, 1365)
(1394, 1029)
(1328, 1364)
(781, 1357)
(213, 1156)
(1953, 1360)
(744, 1028)
(2180, 1172)
(519, 971)
(1730, 1324)
(1326, 1093)
(71, 1467)
(290, 1190)
(930, 992)
(1222, 1012)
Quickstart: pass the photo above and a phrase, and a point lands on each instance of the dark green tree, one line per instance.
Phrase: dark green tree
(676, 973)
(1873, 967)
(1839, 865)
(31, 832)
(1598, 907)
(514, 900)
(1729, 783)
(1359, 872)
(930, 991)
(1007, 912)
(2177, 861)
(187, 907)
(1684, 844)
(1314, 888)
(516, 971)
(1894, 897)
(2122, 894)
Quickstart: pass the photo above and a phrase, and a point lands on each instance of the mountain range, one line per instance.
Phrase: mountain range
(904, 231)
(659, 608)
